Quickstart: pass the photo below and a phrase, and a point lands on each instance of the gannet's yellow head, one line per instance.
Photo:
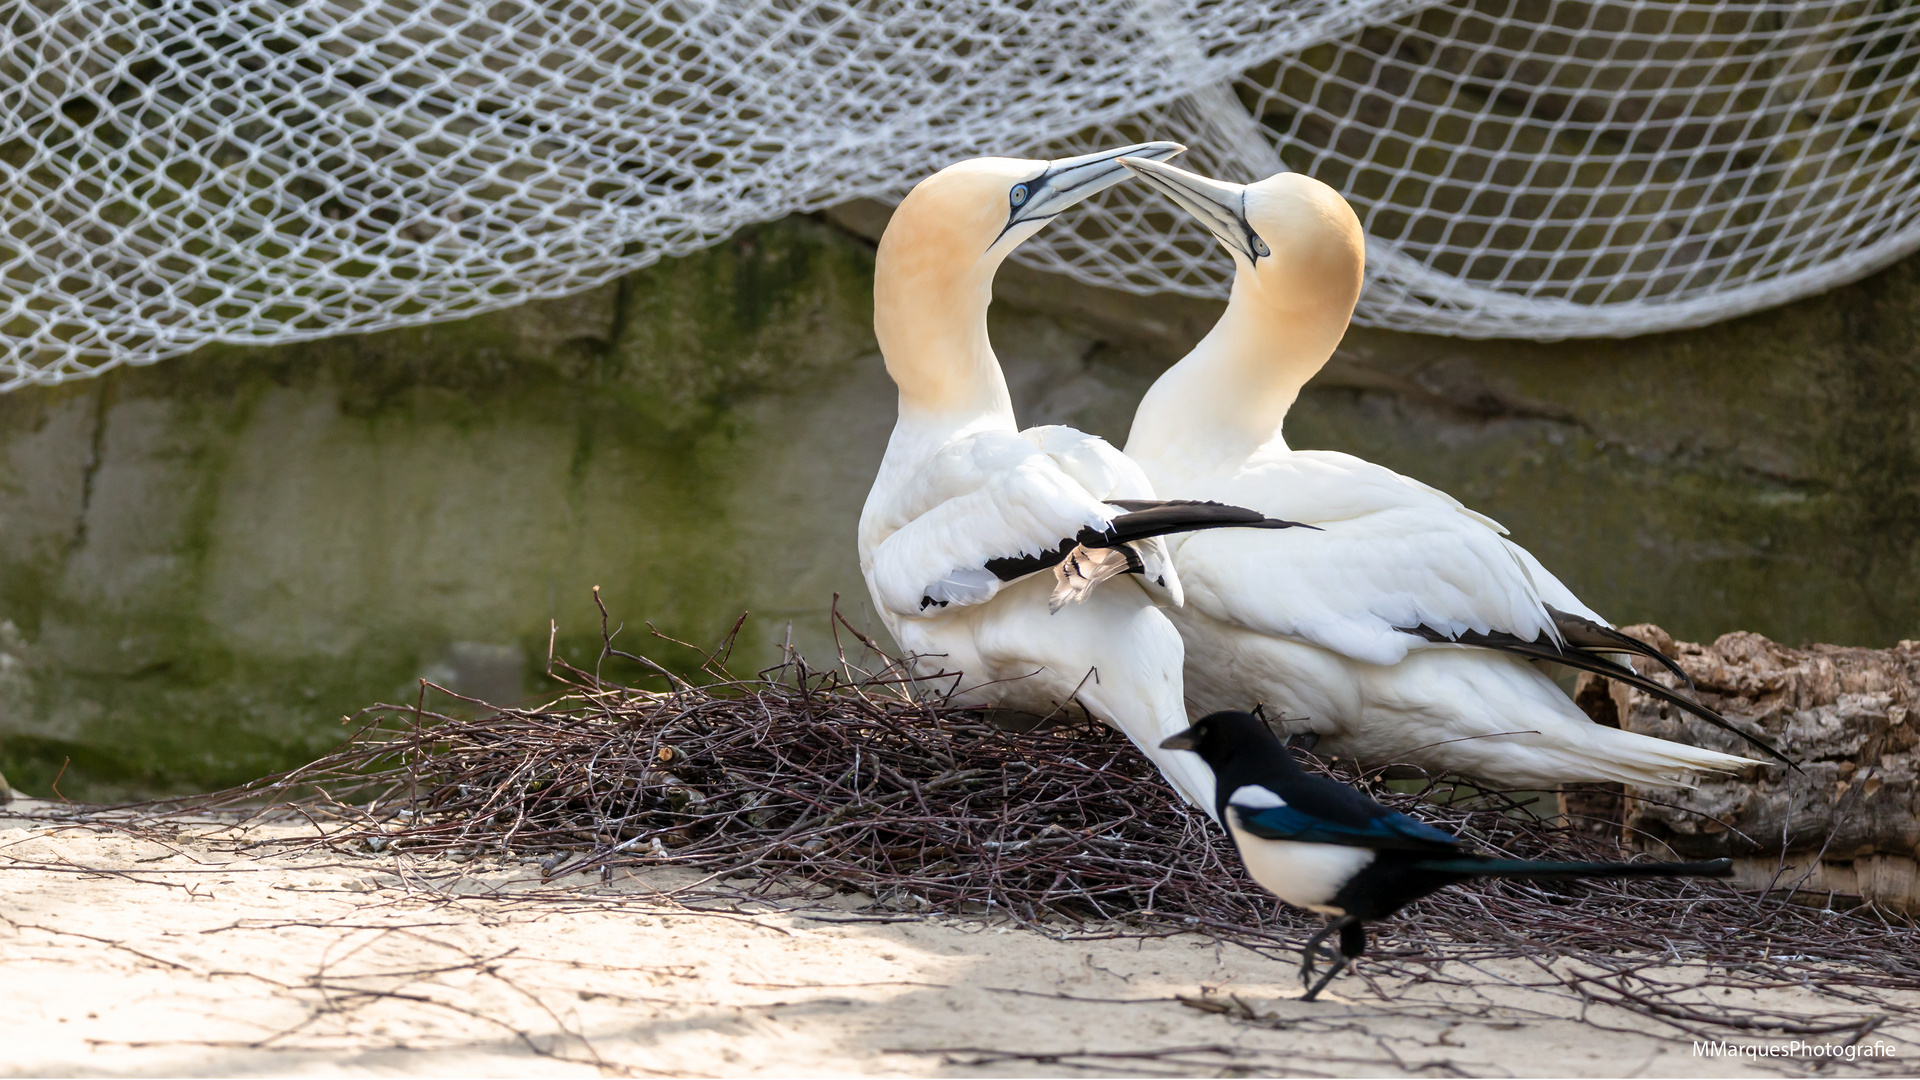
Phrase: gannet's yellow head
(969, 215)
(933, 275)
(1294, 240)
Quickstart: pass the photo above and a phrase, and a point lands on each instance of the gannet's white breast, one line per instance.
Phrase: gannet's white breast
(949, 531)
(934, 544)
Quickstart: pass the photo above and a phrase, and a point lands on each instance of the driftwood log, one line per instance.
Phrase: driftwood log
(1844, 830)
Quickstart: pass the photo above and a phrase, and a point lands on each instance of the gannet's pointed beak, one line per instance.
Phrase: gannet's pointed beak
(1222, 208)
(1069, 180)
(1185, 740)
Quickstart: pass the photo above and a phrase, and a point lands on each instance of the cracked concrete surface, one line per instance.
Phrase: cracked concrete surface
(201, 949)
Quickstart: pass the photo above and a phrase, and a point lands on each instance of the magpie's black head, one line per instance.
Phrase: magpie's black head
(1225, 737)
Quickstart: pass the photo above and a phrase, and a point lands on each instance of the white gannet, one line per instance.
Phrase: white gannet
(1401, 628)
(968, 512)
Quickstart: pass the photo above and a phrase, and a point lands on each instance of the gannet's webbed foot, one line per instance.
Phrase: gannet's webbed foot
(1303, 740)
(1085, 567)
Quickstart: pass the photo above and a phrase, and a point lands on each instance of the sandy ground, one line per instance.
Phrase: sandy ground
(191, 955)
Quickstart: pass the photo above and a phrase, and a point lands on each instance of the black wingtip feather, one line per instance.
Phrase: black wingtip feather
(1588, 661)
(1146, 519)
(1586, 634)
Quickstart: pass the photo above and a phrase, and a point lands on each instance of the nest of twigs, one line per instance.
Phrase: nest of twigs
(797, 780)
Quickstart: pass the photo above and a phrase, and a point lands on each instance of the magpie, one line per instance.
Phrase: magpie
(1321, 845)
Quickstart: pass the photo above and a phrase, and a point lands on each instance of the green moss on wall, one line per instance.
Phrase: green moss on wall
(218, 557)
(208, 562)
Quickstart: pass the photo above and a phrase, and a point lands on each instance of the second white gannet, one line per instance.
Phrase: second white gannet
(969, 514)
(1400, 629)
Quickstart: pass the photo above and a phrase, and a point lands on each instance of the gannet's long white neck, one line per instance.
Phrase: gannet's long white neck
(1228, 399)
(933, 281)
(1299, 260)
(930, 315)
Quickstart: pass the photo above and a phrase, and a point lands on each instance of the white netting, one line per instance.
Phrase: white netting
(179, 172)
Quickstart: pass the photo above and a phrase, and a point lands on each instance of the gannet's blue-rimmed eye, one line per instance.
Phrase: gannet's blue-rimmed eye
(1260, 247)
(1018, 195)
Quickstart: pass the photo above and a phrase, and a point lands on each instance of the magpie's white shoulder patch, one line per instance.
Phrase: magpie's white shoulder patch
(1255, 797)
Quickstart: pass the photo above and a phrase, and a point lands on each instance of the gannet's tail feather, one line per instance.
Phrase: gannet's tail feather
(1186, 773)
(1649, 758)
(1557, 749)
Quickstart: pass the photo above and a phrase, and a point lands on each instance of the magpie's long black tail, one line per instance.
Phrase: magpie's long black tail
(1147, 518)
(1562, 871)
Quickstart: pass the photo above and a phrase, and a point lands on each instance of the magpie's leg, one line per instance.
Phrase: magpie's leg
(1314, 991)
(1353, 942)
(1313, 947)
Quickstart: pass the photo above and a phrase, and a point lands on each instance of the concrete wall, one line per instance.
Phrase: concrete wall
(210, 561)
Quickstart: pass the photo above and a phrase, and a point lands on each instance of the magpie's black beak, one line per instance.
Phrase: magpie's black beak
(1185, 740)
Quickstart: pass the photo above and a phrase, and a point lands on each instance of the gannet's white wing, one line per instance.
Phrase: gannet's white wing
(1396, 566)
(1110, 475)
(983, 512)
(1552, 591)
(1092, 462)
(1391, 553)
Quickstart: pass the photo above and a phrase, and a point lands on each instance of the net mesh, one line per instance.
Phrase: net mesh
(180, 172)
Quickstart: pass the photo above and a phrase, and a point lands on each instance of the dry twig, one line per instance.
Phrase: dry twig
(797, 780)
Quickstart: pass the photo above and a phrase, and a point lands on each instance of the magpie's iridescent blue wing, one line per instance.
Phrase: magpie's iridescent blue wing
(1391, 832)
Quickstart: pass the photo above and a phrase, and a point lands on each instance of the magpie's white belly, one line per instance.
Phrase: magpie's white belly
(1304, 875)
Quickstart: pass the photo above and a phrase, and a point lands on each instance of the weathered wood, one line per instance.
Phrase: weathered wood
(1849, 824)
